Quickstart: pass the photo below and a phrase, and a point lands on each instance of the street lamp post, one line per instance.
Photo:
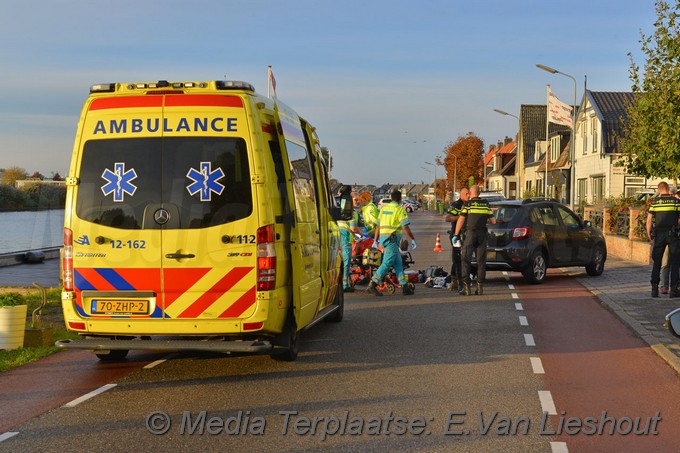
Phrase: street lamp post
(519, 163)
(427, 170)
(435, 183)
(572, 183)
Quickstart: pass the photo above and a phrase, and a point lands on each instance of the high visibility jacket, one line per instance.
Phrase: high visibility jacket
(391, 219)
(476, 212)
(455, 210)
(370, 213)
(665, 209)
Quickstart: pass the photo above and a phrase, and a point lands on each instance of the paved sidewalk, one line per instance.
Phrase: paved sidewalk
(623, 287)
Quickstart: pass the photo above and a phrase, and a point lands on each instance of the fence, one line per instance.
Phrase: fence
(621, 232)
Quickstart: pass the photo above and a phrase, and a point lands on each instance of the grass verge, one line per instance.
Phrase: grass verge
(51, 316)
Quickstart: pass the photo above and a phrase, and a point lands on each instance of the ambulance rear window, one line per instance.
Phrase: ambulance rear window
(200, 181)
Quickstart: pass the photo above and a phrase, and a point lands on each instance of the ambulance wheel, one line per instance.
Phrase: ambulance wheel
(289, 341)
(339, 301)
(113, 355)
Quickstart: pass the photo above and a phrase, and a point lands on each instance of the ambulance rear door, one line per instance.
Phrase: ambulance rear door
(115, 260)
(209, 248)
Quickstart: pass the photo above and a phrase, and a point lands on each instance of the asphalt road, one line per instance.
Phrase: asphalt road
(430, 372)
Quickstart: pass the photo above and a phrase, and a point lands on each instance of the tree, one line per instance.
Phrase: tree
(466, 152)
(12, 175)
(326, 154)
(651, 135)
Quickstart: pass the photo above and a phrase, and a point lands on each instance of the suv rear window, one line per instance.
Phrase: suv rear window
(204, 180)
(505, 214)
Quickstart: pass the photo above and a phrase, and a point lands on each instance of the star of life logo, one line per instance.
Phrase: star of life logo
(118, 182)
(205, 181)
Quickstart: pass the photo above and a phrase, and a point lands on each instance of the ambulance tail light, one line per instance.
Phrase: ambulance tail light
(67, 260)
(76, 325)
(253, 325)
(521, 233)
(266, 258)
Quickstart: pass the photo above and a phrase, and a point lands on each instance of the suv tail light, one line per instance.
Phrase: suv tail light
(521, 233)
(67, 260)
(266, 258)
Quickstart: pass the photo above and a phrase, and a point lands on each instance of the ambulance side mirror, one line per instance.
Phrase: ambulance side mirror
(335, 213)
(673, 322)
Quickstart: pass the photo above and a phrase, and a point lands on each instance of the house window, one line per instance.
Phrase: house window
(598, 189)
(555, 147)
(584, 139)
(593, 126)
(582, 190)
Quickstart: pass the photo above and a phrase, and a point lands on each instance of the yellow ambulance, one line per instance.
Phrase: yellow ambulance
(199, 216)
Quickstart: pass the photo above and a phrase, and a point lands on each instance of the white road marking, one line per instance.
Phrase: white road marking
(514, 295)
(547, 403)
(92, 394)
(7, 435)
(519, 307)
(523, 321)
(529, 339)
(559, 447)
(537, 365)
(153, 364)
(511, 286)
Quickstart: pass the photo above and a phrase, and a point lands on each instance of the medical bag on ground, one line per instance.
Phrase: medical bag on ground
(372, 257)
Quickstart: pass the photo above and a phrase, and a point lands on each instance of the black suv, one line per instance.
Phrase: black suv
(534, 234)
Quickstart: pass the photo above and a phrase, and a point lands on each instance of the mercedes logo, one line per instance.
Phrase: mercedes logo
(161, 216)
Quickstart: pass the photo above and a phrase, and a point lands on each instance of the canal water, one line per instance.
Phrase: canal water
(31, 230)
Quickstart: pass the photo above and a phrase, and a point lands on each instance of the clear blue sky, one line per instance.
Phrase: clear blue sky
(387, 83)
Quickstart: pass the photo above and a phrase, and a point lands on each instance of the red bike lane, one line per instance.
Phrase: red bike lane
(38, 387)
(596, 367)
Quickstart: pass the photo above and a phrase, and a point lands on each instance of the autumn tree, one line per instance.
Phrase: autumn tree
(651, 134)
(12, 175)
(463, 160)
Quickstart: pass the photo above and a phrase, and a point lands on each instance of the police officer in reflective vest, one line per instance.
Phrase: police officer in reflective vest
(662, 228)
(452, 216)
(475, 214)
(392, 220)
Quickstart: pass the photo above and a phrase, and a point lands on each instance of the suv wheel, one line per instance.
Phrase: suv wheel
(596, 266)
(536, 271)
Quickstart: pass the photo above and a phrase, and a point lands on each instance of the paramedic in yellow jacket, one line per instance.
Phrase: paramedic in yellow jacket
(392, 220)
(369, 212)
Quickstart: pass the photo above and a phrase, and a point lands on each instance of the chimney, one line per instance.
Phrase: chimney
(500, 144)
(507, 140)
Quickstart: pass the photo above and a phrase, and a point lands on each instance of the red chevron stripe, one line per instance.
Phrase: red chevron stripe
(95, 279)
(178, 281)
(210, 296)
(142, 279)
(241, 305)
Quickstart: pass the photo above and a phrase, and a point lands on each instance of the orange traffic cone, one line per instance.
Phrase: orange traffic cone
(438, 245)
